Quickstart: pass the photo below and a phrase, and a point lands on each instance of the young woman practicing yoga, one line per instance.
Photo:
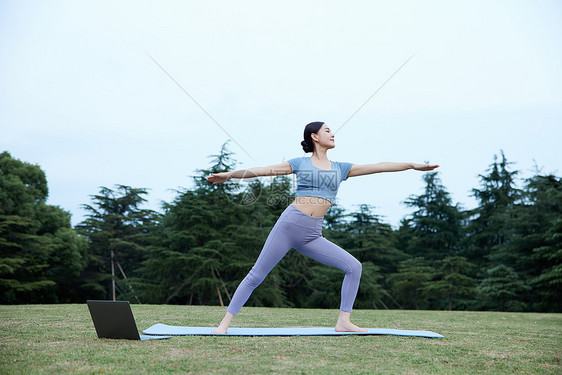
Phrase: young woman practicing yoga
(300, 225)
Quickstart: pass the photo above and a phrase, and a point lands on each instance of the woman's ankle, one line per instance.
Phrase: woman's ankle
(227, 319)
(345, 316)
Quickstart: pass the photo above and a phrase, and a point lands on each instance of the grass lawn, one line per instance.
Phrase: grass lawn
(61, 339)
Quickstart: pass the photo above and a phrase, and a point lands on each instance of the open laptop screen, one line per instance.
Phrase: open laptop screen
(114, 320)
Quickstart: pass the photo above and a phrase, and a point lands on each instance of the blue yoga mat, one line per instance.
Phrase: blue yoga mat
(166, 330)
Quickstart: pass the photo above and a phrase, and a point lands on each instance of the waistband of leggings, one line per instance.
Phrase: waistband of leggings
(304, 219)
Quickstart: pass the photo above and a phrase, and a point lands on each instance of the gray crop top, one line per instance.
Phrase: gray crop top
(316, 182)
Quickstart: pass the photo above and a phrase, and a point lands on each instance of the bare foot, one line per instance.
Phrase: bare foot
(349, 327)
(344, 323)
(225, 323)
(220, 330)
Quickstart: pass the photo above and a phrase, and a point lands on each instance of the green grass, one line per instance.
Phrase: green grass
(61, 339)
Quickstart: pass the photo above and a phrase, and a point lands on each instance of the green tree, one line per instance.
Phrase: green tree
(435, 226)
(410, 282)
(491, 224)
(367, 237)
(211, 237)
(184, 266)
(535, 251)
(363, 234)
(335, 218)
(503, 287)
(117, 226)
(549, 282)
(453, 283)
(40, 254)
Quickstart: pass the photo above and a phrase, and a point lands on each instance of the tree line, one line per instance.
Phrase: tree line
(505, 254)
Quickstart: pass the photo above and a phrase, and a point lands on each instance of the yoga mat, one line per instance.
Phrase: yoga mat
(166, 330)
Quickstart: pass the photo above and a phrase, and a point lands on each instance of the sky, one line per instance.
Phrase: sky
(89, 91)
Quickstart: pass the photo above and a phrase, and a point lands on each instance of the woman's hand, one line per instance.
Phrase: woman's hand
(424, 167)
(217, 178)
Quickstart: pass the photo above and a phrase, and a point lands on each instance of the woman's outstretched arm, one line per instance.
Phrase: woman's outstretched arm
(363, 169)
(271, 170)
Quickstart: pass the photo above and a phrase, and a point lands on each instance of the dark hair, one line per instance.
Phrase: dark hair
(313, 127)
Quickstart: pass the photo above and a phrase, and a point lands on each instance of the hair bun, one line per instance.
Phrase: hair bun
(306, 147)
(312, 128)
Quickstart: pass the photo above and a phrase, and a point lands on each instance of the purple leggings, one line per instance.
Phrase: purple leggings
(295, 229)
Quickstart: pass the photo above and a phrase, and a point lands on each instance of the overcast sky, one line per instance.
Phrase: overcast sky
(81, 97)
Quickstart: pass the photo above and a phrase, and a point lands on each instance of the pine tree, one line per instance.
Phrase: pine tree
(120, 231)
(368, 238)
(435, 226)
(549, 282)
(211, 237)
(410, 282)
(365, 236)
(535, 252)
(453, 283)
(491, 223)
(503, 287)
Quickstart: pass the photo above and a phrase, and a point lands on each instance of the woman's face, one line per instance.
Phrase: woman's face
(324, 137)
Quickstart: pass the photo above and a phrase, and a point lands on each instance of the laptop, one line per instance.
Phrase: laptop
(114, 320)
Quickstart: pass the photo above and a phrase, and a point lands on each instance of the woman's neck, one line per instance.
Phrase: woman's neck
(320, 154)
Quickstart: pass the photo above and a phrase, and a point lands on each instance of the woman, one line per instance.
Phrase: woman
(300, 225)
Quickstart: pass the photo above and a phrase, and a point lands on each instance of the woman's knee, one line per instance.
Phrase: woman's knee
(355, 267)
(254, 278)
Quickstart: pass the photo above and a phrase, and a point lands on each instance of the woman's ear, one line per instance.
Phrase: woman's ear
(314, 137)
